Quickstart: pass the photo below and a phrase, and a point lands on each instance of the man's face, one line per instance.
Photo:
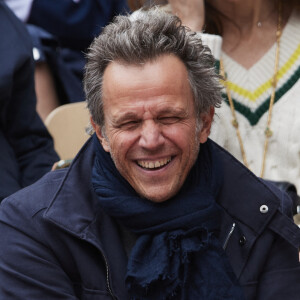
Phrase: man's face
(150, 125)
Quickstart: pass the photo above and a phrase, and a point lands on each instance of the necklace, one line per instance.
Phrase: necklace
(260, 23)
(268, 132)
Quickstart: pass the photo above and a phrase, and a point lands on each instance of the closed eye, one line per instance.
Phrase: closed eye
(169, 120)
(129, 124)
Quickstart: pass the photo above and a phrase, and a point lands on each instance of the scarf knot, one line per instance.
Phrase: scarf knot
(186, 242)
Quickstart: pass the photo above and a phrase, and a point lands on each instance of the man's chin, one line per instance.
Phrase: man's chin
(158, 195)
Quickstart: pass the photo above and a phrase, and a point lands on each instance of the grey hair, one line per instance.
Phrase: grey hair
(143, 37)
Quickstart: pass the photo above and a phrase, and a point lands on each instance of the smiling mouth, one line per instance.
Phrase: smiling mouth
(154, 165)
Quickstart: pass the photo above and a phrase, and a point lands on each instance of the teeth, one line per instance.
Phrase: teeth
(154, 164)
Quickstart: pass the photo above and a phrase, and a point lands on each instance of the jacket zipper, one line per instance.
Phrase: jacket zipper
(106, 267)
(83, 237)
(107, 276)
(228, 236)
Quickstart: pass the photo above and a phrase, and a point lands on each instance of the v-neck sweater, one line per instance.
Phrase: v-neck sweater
(250, 90)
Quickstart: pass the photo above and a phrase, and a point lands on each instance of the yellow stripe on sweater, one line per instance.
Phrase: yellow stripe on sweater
(252, 96)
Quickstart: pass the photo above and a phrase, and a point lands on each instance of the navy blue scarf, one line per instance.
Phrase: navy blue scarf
(177, 254)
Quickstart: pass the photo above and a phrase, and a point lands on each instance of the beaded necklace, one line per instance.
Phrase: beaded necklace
(268, 132)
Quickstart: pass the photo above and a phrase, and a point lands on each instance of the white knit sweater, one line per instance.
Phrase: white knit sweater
(251, 90)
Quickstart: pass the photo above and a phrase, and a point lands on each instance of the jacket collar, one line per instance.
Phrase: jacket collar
(242, 195)
(74, 206)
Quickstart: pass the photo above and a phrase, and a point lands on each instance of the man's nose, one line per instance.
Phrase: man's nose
(151, 136)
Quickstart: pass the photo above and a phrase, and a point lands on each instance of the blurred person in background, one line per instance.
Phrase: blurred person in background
(26, 148)
(61, 32)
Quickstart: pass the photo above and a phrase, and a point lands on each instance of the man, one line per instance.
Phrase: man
(150, 208)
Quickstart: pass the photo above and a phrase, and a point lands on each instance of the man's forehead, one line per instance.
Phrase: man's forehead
(165, 72)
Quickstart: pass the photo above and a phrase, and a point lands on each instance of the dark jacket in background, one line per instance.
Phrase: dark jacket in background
(75, 23)
(26, 148)
(57, 243)
(71, 27)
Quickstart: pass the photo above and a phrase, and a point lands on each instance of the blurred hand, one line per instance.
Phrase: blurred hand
(191, 12)
(63, 163)
(54, 166)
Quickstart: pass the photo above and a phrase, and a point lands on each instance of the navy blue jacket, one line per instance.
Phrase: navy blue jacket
(26, 148)
(75, 23)
(57, 243)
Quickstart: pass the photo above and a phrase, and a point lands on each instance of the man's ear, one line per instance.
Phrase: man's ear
(103, 140)
(206, 119)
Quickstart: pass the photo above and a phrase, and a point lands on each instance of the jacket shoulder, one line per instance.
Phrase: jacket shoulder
(14, 30)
